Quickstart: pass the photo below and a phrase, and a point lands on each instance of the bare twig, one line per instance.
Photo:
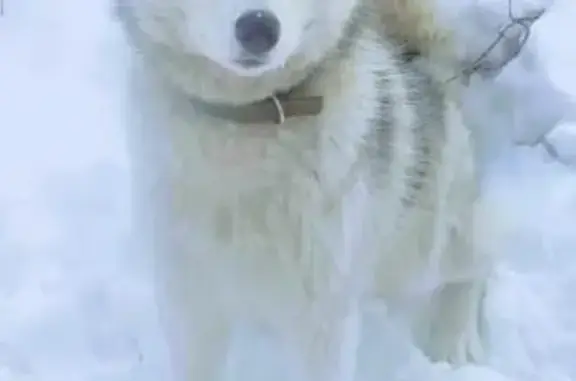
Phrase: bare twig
(481, 65)
(552, 151)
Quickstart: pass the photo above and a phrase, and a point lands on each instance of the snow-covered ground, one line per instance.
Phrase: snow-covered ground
(76, 302)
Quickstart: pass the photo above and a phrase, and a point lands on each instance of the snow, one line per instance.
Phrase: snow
(75, 297)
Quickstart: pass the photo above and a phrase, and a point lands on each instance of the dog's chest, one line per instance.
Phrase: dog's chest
(248, 157)
(253, 180)
(290, 242)
(255, 208)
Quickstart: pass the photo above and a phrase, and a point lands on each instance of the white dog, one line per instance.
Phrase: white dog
(293, 158)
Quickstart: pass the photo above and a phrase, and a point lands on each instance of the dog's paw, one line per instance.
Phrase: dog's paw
(457, 348)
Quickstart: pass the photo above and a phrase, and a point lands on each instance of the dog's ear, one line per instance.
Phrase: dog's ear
(414, 26)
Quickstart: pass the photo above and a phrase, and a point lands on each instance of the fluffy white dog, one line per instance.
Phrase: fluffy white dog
(293, 158)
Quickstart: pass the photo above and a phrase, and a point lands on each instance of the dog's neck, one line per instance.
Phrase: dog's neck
(272, 110)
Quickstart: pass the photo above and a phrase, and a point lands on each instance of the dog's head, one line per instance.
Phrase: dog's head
(241, 50)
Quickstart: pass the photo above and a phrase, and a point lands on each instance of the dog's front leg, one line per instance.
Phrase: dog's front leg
(205, 348)
(454, 317)
(450, 326)
(329, 345)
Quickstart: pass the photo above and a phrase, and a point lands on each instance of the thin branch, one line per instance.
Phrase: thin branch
(525, 23)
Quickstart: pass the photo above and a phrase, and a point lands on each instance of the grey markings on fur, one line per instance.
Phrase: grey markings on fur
(426, 98)
(429, 103)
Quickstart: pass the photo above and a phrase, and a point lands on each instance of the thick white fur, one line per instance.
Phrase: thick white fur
(285, 226)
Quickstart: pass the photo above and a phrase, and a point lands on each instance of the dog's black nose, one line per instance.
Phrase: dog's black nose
(258, 32)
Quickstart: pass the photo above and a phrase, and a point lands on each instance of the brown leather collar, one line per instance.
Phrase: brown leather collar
(272, 110)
